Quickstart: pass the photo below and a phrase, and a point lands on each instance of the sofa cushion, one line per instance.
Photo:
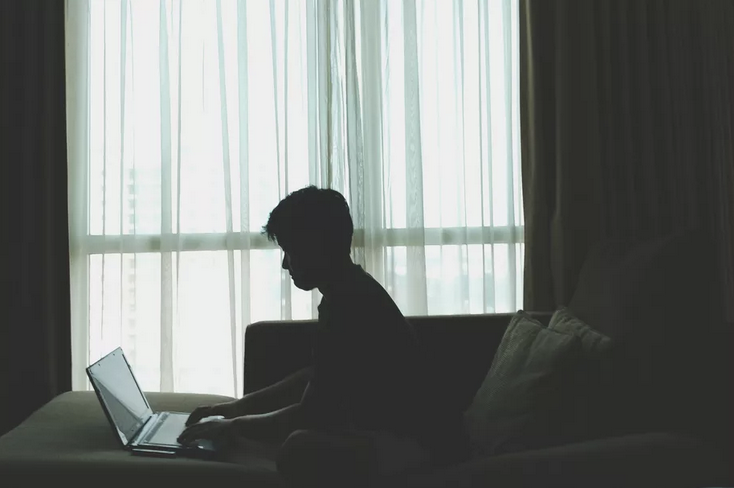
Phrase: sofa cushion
(653, 298)
(625, 288)
(526, 390)
(591, 379)
(594, 344)
(70, 441)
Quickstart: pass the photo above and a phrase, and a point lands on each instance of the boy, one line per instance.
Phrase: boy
(367, 392)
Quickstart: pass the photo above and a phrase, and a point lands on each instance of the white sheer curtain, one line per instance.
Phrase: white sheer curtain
(189, 120)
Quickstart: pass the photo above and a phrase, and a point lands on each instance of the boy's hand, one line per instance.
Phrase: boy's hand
(227, 410)
(216, 429)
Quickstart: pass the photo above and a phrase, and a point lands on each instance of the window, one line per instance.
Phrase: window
(189, 120)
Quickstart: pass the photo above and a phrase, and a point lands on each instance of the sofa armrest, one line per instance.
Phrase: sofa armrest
(644, 460)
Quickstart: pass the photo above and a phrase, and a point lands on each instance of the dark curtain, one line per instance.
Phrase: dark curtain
(627, 131)
(35, 346)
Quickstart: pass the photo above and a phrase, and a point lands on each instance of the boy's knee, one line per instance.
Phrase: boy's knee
(297, 440)
(289, 456)
(312, 458)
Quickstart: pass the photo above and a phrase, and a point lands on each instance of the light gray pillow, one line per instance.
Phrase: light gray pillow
(526, 389)
(593, 343)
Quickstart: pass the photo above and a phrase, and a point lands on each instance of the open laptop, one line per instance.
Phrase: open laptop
(133, 421)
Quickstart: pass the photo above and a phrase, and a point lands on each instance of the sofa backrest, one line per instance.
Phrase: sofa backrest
(459, 349)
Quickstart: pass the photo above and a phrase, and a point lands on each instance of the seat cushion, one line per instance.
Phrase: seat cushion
(69, 439)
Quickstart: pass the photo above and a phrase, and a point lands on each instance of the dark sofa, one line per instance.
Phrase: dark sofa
(69, 440)
(461, 349)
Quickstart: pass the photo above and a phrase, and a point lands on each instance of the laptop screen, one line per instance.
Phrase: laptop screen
(125, 403)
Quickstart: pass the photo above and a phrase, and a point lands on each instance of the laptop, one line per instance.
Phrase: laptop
(139, 429)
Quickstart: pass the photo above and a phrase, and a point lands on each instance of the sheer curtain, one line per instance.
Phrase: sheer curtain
(189, 120)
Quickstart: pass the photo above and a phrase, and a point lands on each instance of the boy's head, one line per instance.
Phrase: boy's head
(314, 228)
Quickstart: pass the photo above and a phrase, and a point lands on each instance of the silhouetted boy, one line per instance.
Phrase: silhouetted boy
(365, 404)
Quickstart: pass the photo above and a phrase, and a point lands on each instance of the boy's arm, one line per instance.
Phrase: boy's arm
(273, 426)
(279, 424)
(286, 392)
(274, 397)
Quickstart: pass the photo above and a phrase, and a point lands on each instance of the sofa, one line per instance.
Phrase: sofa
(69, 439)
(675, 428)
(461, 349)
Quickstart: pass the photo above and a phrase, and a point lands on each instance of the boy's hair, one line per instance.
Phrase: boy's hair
(312, 219)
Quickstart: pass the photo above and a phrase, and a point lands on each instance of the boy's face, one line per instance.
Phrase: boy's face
(304, 269)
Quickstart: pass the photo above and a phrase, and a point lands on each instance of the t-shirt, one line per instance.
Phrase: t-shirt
(369, 370)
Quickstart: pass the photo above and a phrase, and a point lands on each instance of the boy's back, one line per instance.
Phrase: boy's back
(370, 372)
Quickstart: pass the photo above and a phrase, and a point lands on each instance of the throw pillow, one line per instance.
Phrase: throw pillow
(654, 298)
(593, 343)
(592, 380)
(526, 389)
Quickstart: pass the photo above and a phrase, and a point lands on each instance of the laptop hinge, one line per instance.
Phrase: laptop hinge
(143, 430)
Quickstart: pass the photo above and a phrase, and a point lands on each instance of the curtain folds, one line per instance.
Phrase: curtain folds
(189, 120)
(627, 127)
(35, 357)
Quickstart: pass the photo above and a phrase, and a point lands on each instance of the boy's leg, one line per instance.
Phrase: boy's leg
(313, 458)
(398, 454)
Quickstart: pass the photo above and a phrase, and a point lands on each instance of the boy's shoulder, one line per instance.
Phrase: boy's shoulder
(363, 292)
(360, 300)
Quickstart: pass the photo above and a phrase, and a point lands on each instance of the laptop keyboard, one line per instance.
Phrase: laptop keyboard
(167, 431)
